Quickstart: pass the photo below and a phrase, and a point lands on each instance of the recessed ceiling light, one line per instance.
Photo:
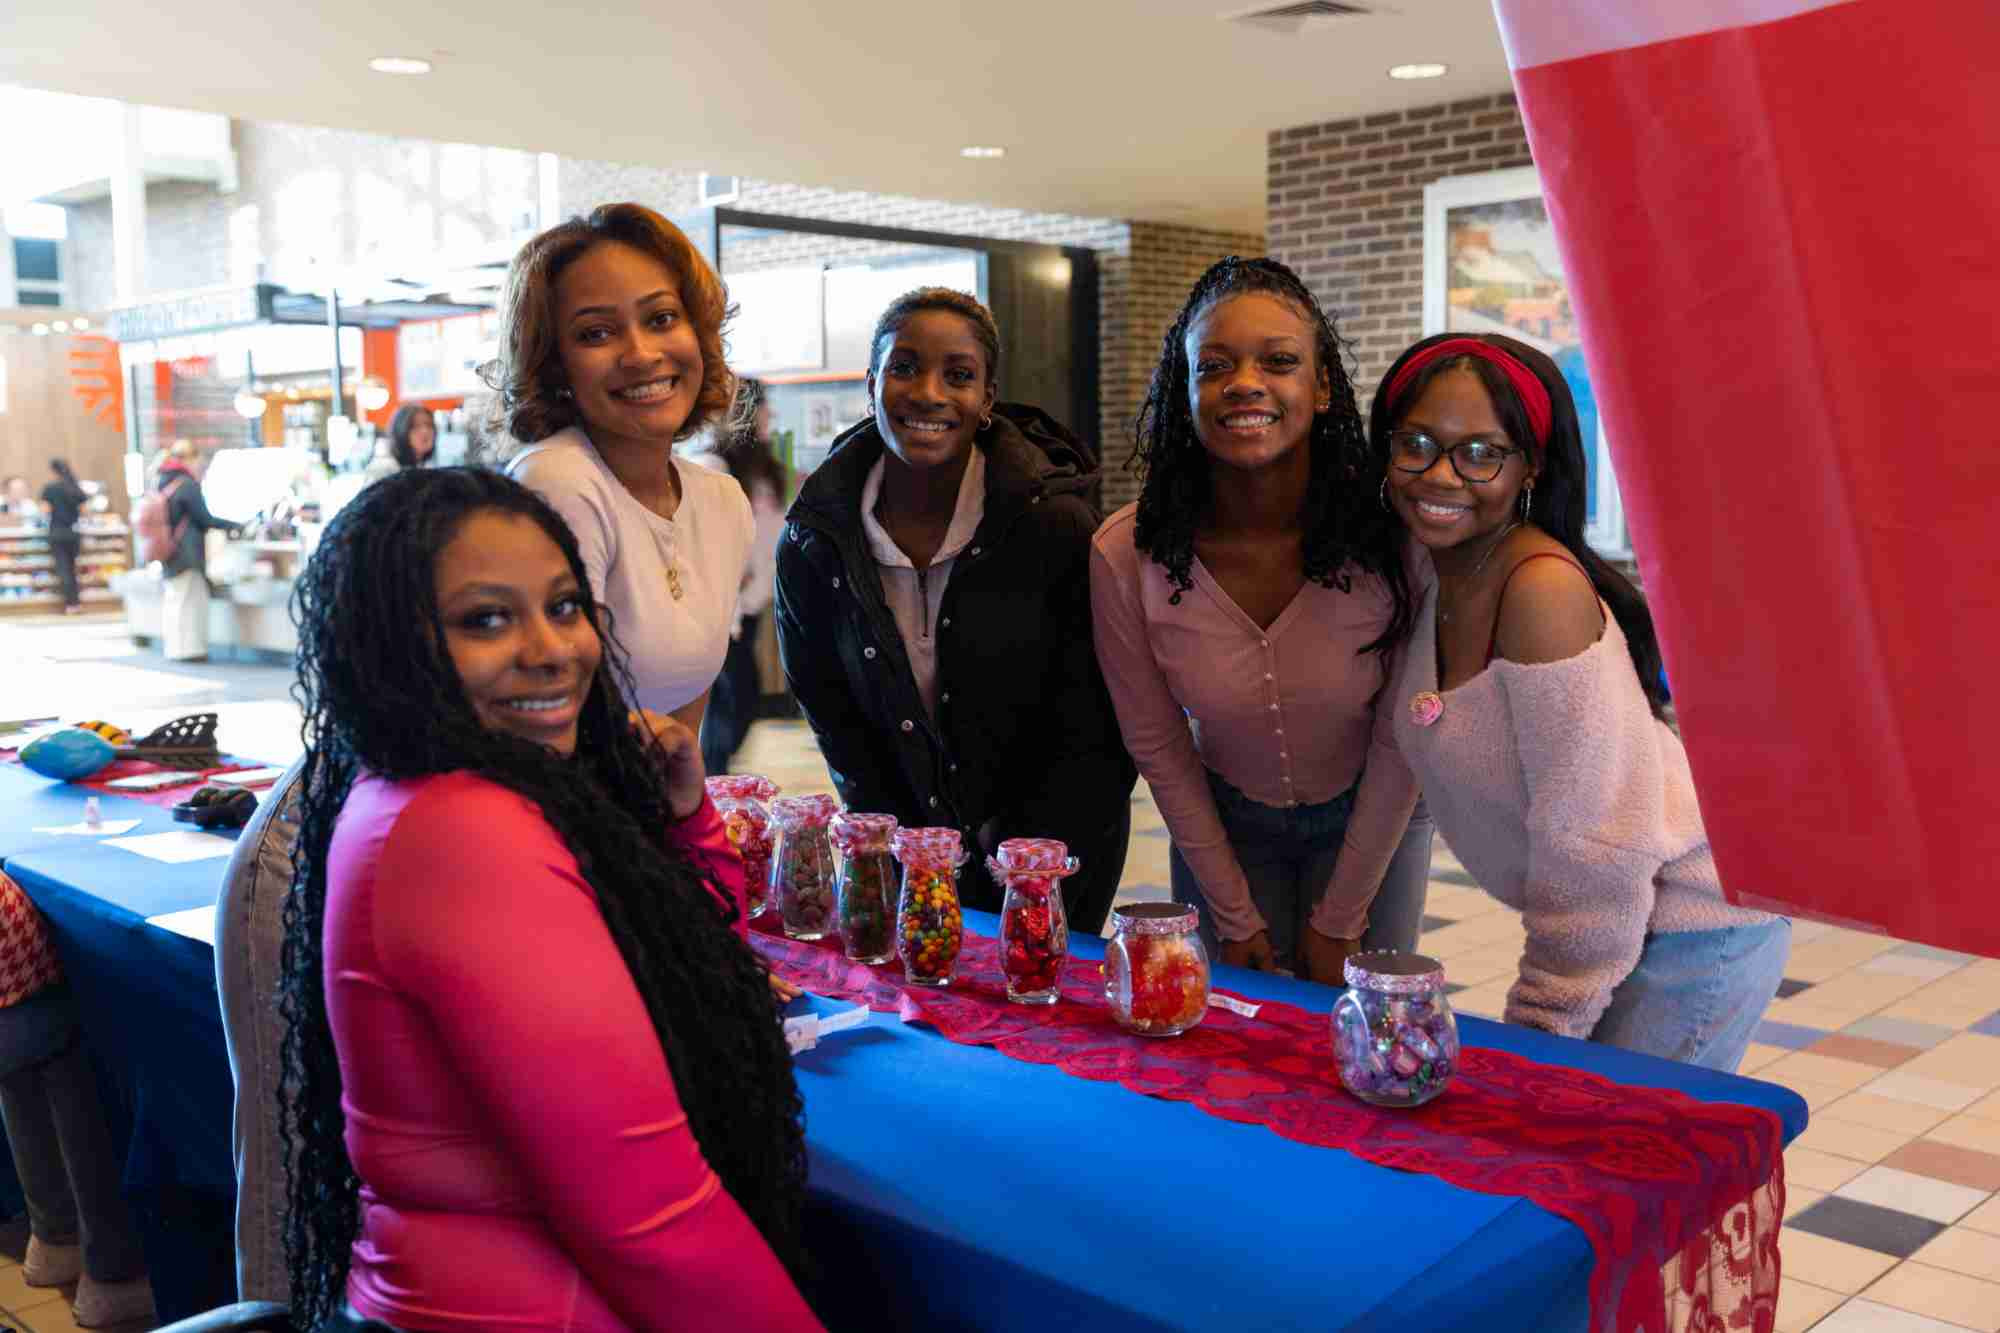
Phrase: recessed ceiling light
(60, 326)
(1425, 71)
(981, 150)
(41, 329)
(399, 65)
(82, 323)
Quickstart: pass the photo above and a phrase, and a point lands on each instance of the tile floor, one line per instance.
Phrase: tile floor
(1893, 1218)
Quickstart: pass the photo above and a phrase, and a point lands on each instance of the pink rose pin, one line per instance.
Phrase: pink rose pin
(1426, 708)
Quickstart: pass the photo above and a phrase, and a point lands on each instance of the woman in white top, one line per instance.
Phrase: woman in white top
(610, 351)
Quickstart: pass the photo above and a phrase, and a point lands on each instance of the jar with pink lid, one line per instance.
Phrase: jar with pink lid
(739, 798)
(929, 931)
(864, 885)
(802, 866)
(1034, 931)
(1155, 969)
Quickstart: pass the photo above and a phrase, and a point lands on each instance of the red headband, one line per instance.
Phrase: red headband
(1533, 393)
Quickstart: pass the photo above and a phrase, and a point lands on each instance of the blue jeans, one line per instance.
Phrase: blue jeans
(1289, 855)
(1698, 995)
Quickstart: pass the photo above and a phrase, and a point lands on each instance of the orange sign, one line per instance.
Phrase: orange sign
(95, 378)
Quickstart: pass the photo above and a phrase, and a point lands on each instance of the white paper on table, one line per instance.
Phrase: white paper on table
(803, 1032)
(104, 829)
(176, 847)
(197, 923)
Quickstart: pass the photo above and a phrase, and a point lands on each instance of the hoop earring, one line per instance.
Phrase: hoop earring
(986, 422)
(1386, 507)
(1527, 497)
(565, 393)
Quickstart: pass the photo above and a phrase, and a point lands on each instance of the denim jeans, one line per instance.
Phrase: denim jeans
(1697, 995)
(1288, 857)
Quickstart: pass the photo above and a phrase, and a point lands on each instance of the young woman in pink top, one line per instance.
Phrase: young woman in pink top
(1247, 609)
(1530, 705)
(533, 1077)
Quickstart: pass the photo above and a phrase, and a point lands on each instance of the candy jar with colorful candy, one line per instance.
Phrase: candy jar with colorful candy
(1394, 1037)
(1155, 969)
(864, 885)
(739, 799)
(928, 928)
(1034, 932)
(802, 867)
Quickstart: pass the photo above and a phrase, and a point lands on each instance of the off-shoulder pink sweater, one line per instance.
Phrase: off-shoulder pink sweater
(525, 1162)
(1568, 800)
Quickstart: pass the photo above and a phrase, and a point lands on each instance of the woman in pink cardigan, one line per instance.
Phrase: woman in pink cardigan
(533, 1077)
(1529, 705)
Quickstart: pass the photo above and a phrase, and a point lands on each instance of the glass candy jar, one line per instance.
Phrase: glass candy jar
(1394, 1037)
(739, 799)
(802, 867)
(864, 885)
(1034, 931)
(1156, 970)
(928, 928)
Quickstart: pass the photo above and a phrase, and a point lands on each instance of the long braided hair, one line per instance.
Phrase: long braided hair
(381, 697)
(1559, 503)
(1345, 530)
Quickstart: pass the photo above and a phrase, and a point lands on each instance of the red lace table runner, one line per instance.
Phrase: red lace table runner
(163, 797)
(1681, 1200)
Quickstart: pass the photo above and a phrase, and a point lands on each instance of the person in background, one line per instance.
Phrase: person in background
(17, 499)
(934, 610)
(412, 436)
(185, 629)
(62, 501)
(78, 1227)
(534, 1077)
(748, 457)
(1529, 705)
(1249, 606)
(610, 352)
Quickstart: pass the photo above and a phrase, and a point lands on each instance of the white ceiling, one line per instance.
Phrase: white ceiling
(1107, 107)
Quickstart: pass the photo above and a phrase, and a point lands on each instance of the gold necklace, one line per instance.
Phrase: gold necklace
(1444, 616)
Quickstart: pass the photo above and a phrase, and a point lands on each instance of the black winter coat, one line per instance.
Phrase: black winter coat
(1025, 743)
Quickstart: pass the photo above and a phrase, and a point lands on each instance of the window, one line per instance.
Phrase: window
(38, 271)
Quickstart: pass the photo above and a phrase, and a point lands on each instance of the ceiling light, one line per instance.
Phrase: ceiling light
(60, 326)
(1424, 71)
(399, 65)
(82, 323)
(981, 150)
(41, 329)
(249, 406)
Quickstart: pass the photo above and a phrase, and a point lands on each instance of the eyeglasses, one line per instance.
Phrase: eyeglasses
(1473, 460)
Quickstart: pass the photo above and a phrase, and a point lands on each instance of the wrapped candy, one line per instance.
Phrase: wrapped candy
(1156, 970)
(928, 928)
(864, 885)
(739, 799)
(1394, 1036)
(1034, 931)
(802, 867)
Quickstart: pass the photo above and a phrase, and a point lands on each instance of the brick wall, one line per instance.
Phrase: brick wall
(187, 244)
(1347, 211)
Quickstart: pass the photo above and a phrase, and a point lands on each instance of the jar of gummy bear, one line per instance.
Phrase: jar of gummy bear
(1156, 970)
(864, 885)
(928, 929)
(802, 866)
(1034, 932)
(739, 799)
(1394, 1036)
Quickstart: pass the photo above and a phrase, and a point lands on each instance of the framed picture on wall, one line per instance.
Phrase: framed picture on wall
(1491, 266)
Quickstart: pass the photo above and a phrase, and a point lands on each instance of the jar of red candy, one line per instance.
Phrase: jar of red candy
(802, 866)
(864, 885)
(1034, 932)
(928, 929)
(1155, 969)
(1394, 1036)
(739, 799)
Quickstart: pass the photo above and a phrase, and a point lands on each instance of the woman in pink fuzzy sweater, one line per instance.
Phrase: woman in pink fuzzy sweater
(1528, 704)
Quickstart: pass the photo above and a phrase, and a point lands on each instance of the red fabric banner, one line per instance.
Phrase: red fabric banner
(1779, 236)
(1652, 1177)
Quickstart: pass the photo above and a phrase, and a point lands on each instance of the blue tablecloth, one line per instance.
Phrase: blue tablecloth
(953, 1187)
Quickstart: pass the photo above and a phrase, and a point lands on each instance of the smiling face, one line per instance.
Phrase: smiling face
(1438, 505)
(1254, 379)
(931, 385)
(515, 627)
(629, 351)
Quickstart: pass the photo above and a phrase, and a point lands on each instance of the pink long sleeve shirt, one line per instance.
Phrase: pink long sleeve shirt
(1287, 715)
(524, 1158)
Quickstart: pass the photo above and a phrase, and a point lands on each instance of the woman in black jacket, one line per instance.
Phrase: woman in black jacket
(934, 610)
(63, 500)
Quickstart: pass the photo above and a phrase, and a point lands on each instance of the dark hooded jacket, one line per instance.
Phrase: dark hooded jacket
(1025, 743)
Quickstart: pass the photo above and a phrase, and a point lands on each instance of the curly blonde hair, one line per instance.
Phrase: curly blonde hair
(527, 377)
